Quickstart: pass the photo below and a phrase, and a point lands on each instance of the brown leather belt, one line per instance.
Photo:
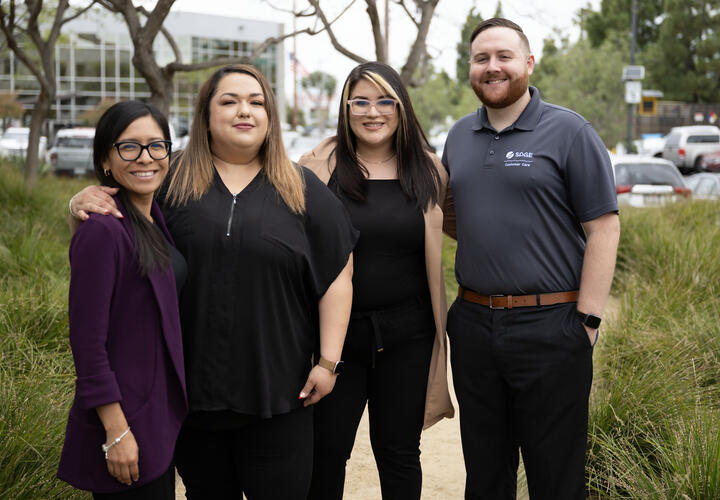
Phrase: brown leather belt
(510, 301)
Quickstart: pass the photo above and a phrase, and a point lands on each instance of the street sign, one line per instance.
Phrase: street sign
(633, 73)
(633, 92)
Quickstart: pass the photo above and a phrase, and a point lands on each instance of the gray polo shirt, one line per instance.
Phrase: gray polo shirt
(520, 196)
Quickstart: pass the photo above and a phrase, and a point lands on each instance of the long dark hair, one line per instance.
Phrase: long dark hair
(418, 176)
(150, 245)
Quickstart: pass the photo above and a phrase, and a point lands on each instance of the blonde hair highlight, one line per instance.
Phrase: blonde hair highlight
(383, 86)
(193, 169)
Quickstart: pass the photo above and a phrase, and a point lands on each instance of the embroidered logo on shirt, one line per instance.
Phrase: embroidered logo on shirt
(518, 159)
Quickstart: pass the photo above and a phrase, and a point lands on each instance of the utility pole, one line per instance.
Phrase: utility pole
(295, 59)
(387, 31)
(633, 30)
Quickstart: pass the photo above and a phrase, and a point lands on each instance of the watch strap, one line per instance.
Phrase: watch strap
(328, 365)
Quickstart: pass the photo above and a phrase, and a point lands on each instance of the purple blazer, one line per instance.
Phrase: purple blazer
(127, 346)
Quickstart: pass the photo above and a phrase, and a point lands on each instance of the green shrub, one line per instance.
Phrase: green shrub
(36, 370)
(655, 401)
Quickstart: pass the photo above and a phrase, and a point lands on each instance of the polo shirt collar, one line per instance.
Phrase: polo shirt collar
(527, 120)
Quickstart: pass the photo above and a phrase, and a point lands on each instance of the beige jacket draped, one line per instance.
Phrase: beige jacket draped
(437, 400)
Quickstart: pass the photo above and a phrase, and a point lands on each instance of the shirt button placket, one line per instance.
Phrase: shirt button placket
(490, 155)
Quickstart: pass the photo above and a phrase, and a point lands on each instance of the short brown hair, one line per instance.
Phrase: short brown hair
(499, 22)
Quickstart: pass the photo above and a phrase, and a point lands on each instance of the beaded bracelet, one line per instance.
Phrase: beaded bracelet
(72, 214)
(107, 447)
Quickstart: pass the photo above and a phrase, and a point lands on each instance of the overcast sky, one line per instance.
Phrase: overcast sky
(353, 29)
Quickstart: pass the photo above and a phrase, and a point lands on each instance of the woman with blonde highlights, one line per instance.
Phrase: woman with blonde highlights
(380, 166)
(267, 296)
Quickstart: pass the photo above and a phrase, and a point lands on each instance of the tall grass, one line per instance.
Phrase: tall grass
(655, 421)
(655, 403)
(654, 416)
(36, 375)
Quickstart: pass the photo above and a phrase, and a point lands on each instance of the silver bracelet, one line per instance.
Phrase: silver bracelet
(72, 214)
(107, 447)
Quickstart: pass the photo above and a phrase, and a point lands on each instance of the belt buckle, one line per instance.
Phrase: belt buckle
(491, 302)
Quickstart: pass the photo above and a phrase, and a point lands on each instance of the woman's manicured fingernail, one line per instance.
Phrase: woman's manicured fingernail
(302, 395)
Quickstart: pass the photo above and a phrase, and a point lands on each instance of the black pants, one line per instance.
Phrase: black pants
(269, 459)
(162, 488)
(522, 378)
(394, 390)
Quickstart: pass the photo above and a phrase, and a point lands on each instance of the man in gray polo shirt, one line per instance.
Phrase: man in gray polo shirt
(534, 212)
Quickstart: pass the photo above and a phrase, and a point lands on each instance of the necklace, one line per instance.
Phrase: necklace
(375, 162)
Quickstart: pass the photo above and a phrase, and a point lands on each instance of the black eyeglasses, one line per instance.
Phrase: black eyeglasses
(131, 151)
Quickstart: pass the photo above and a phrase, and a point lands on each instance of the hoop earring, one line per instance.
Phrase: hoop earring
(107, 172)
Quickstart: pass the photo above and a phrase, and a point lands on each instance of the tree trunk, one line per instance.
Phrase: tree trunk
(32, 159)
(159, 80)
(162, 96)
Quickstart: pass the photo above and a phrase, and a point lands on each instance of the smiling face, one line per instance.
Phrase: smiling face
(372, 130)
(238, 121)
(141, 177)
(500, 67)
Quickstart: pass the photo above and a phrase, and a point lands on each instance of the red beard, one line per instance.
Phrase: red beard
(516, 89)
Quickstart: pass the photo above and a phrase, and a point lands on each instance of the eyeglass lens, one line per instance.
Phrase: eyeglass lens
(362, 106)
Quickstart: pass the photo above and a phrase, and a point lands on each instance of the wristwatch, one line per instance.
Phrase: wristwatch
(590, 320)
(335, 367)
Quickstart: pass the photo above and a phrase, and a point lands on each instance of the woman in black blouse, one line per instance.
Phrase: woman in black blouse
(269, 266)
(381, 168)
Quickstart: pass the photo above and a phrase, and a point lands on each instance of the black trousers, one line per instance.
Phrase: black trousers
(268, 459)
(394, 390)
(162, 488)
(522, 378)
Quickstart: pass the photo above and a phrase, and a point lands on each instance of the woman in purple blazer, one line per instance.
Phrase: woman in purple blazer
(130, 397)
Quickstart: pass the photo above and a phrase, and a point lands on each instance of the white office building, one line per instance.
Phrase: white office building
(93, 62)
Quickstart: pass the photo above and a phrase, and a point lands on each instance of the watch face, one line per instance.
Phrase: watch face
(592, 321)
(339, 367)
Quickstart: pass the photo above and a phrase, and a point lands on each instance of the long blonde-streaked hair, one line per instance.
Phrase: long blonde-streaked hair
(193, 172)
(418, 176)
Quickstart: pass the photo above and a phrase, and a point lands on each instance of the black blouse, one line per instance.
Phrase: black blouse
(249, 306)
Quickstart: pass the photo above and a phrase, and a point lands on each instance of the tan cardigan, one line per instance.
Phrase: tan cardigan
(437, 400)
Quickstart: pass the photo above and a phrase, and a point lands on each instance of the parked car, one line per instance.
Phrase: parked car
(297, 144)
(651, 145)
(14, 142)
(685, 146)
(710, 161)
(642, 181)
(71, 153)
(704, 186)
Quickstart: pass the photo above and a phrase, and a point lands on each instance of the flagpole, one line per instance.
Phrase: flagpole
(387, 31)
(295, 58)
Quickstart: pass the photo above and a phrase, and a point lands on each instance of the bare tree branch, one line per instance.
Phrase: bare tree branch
(401, 3)
(79, 12)
(333, 39)
(178, 66)
(427, 8)
(170, 39)
(299, 13)
(8, 27)
(42, 67)
(378, 37)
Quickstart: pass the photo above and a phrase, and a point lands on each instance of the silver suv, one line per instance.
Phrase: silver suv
(685, 146)
(72, 152)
